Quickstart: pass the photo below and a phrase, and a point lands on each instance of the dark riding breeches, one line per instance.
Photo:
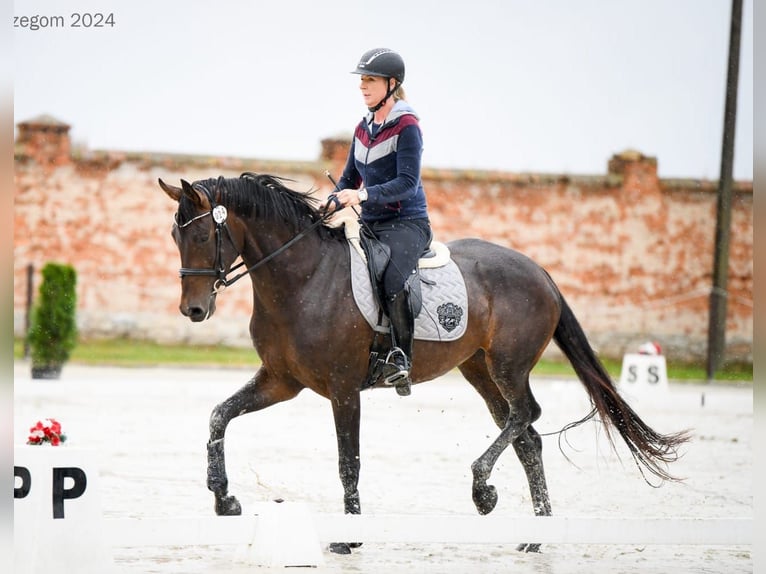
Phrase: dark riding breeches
(408, 240)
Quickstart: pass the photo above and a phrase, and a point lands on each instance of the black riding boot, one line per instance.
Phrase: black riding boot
(400, 356)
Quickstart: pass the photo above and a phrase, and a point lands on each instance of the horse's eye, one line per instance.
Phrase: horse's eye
(200, 237)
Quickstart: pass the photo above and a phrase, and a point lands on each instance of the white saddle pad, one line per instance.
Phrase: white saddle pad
(444, 315)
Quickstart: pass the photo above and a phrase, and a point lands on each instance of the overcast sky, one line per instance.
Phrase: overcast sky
(517, 85)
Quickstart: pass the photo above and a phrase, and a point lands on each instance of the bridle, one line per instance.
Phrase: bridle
(220, 214)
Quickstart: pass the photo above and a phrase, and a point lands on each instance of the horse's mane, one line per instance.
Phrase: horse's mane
(263, 196)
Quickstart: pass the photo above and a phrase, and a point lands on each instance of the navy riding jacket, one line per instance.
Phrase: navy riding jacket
(385, 160)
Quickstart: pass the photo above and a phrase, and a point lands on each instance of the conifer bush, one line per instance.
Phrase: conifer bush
(53, 327)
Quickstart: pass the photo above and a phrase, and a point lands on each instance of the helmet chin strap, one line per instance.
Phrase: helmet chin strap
(382, 102)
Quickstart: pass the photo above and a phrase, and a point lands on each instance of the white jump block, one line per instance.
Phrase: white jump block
(285, 536)
(57, 511)
(641, 373)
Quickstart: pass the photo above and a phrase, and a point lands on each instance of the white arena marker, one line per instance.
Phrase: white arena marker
(57, 511)
(285, 535)
(641, 373)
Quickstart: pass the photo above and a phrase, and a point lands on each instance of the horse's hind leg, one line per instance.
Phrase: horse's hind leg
(258, 393)
(485, 495)
(512, 415)
(475, 371)
(513, 409)
(529, 449)
(528, 446)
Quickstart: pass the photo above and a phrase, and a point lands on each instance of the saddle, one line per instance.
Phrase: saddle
(378, 254)
(438, 296)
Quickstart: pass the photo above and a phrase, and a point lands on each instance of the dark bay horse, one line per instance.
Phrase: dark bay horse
(308, 332)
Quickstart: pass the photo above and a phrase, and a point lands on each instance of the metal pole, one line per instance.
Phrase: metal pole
(718, 295)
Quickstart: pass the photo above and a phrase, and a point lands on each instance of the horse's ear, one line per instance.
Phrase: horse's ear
(197, 197)
(172, 191)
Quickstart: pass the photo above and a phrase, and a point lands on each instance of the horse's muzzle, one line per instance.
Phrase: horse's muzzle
(198, 312)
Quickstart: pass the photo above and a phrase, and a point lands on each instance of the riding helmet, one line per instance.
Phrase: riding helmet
(381, 62)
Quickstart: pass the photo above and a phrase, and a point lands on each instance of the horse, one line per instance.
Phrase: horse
(514, 311)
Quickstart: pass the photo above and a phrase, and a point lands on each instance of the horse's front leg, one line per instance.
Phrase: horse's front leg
(260, 392)
(346, 411)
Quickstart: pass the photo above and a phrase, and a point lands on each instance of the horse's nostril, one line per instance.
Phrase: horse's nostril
(196, 313)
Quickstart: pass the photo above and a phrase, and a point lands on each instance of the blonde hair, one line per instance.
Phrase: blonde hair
(399, 94)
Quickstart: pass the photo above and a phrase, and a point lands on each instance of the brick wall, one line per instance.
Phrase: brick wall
(632, 253)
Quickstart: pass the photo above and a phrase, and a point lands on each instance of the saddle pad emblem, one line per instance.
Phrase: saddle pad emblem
(443, 315)
(449, 316)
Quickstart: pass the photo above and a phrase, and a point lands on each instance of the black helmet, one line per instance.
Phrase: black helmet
(381, 62)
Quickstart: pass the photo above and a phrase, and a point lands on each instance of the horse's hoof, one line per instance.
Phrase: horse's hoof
(227, 506)
(527, 547)
(340, 548)
(485, 499)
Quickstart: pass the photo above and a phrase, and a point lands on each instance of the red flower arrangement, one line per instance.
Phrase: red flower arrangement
(48, 430)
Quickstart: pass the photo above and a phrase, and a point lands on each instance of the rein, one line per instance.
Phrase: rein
(220, 214)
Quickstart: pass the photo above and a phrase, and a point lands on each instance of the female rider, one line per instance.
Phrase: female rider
(382, 174)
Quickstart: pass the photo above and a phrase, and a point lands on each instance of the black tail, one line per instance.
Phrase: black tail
(650, 449)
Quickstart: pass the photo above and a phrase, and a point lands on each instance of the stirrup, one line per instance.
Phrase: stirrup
(400, 376)
(399, 369)
(400, 382)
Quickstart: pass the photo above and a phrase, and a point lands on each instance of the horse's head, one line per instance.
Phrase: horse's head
(204, 236)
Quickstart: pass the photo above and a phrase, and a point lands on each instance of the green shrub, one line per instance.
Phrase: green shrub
(53, 327)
